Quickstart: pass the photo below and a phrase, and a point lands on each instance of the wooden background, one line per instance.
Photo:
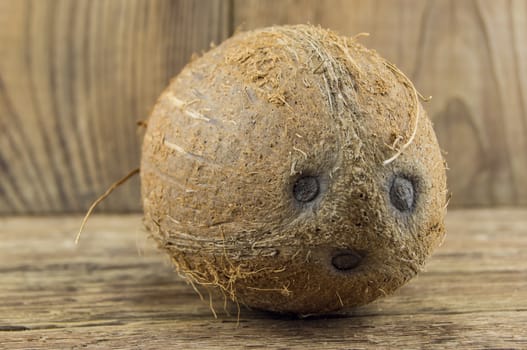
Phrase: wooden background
(115, 291)
(76, 76)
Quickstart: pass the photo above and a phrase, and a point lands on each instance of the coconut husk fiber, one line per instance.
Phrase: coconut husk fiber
(293, 170)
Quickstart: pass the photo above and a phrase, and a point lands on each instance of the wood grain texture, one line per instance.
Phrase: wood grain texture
(469, 55)
(75, 77)
(116, 291)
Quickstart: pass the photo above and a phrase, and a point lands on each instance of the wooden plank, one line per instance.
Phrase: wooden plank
(469, 55)
(75, 77)
(116, 291)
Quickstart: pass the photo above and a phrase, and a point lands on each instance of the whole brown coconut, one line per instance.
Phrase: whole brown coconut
(295, 171)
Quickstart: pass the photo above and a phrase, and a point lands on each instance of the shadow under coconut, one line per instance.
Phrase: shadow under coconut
(397, 319)
(245, 314)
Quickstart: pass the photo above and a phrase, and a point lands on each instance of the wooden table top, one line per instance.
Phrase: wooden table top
(115, 290)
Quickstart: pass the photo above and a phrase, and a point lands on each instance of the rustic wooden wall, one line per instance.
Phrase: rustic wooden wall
(75, 76)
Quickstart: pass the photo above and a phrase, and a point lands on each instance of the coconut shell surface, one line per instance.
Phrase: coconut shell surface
(293, 170)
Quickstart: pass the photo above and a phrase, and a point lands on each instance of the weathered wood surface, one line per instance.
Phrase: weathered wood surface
(116, 291)
(75, 76)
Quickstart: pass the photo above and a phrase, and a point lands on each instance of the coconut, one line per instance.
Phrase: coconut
(293, 170)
